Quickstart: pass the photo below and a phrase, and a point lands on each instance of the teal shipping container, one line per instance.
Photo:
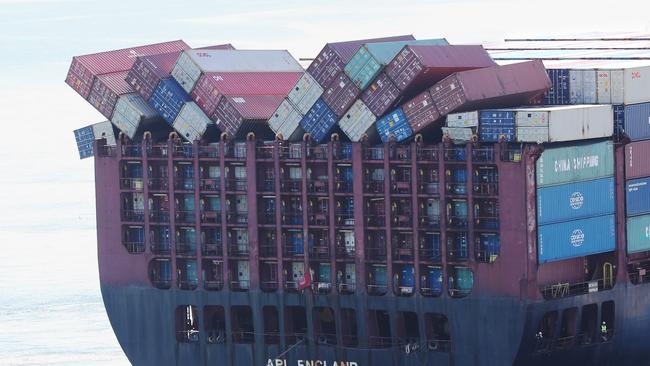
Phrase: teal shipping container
(577, 238)
(575, 163)
(368, 61)
(638, 234)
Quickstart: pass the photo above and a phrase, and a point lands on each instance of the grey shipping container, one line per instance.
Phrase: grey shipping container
(357, 121)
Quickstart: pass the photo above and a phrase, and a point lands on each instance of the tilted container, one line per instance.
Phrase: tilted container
(636, 159)
(576, 238)
(191, 123)
(168, 99)
(105, 91)
(131, 113)
(491, 87)
(394, 126)
(86, 136)
(357, 121)
(318, 121)
(559, 89)
(239, 115)
(637, 196)
(638, 234)
(567, 123)
(572, 201)
(305, 93)
(558, 165)
(464, 119)
(285, 121)
(496, 125)
(84, 69)
(191, 64)
(637, 85)
(459, 135)
(332, 58)
(340, 94)
(421, 111)
(148, 71)
(637, 121)
(381, 95)
(415, 68)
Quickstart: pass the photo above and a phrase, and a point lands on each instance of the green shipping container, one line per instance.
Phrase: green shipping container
(368, 61)
(575, 163)
(638, 234)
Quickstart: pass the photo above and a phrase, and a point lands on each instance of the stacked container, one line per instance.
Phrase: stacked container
(285, 121)
(86, 136)
(461, 127)
(575, 201)
(564, 123)
(637, 196)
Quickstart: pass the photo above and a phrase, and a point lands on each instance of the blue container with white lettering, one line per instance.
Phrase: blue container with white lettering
(637, 196)
(168, 99)
(496, 125)
(574, 201)
(637, 121)
(394, 125)
(559, 93)
(318, 121)
(576, 238)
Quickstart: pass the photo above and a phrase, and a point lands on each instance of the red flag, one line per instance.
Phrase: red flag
(305, 282)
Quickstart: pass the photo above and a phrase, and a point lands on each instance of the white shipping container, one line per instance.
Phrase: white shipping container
(104, 130)
(580, 122)
(466, 119)
(589, 86)
(191, 122)
(617, 89)
(191, 63)
(305, 93)
(458, 135)
(532, 118)
(357, 121)
(532, 134)
(285, 120)
(130, 110)
(610, 86)
(637, 85)
(576, 82)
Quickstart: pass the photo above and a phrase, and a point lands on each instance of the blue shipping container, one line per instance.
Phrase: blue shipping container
(168, 98)
(559, 93)
(576, 238)
(637, 196)
(435, 280)
(619, 120)
(572, 201)
(637, 121)
(497, 124)
(318, 121)
(84, 138)
(394, 124)
(407, 276)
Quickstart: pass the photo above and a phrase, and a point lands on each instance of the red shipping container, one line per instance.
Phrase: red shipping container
(381, 95)
(84, 69)
(105, 91)
(238, 115)
(493, 87)
(340, 94)
(212, 85)
(332, 58)
(420, 111)
(636, 159)
(418, 67)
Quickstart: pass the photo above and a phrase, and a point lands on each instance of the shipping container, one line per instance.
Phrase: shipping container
(86, 136)
(285, 121)
(239, 115)
(637, 196)
(212, 85)
(637, 85)
(191, 123)
(104, 130)
(84, 69)
(459, 135)
(572, 201)
(381, 95)
(491, 87)
(332, 58)
(576, 238)
(371, 58)
(637, 121)
(619, 120)
(192, 63)
(582, 86)
(575, 163)
(105, 91)
(148, 71)
(636, 159)
(168, 99)
(464, 119)
(340, 94)
(496, 125)
(394, 126)
(559, 92)
(358, 121)
(305, 93)
(638, 234)
(318, 121)
(569, 123)
(421, 111)
(131, 112)
(535, 135)
(418, 67)
(610, 86)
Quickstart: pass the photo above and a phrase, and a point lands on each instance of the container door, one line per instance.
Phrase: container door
(350, 245)
(298, 271)
(435, 280)
(407, 278)
(350, 274)
(138, 201)
(188, 203)
(295, 173)
(241, 204)
(433, 208)
(190, 236)
(165, 270)
(324, 274)
(190, 271)
(214, 172)
(243, 273)
(380, 275)
(240, 172)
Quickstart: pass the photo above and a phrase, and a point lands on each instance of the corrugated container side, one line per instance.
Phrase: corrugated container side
(147, 71)
(381, 95)
(590, 86)
(532, 118)
(318, 121)
(395, 126)
(636, 159)
(464, 119)
(603, 93)
(636, 82)
(305, 93)
(619, 120)
(84, 137)
(576, 238)
(191, 122)
(421, 111)
(496, 125)
(637, 196)
(637, 121)
(536, 135)
(576, 86)
(638, 234)
(580, 122)
(130, 112)
(105, 91)
(575, 163)
(238, 115)
(358, 120)
(459, 135)
(559, 92)
(617, 89)
(285, 120)
(168, 99)
(340, 94)
(104, 130)
(574, 201)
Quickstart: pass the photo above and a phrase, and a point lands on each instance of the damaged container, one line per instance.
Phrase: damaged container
(358, 121)
(421, 111)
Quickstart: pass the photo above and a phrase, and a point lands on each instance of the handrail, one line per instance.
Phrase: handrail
(567, 289)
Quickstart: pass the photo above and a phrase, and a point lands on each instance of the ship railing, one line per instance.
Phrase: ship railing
(211, 216)
(296, 337)
(292, 218)
(268, 250)
(459, 292)
(404, 219)
(272, 338)
(401, 186)
(183, 151)
(486, 189)
(344, 251)
(133, 215)
(188, 283)
(429, 188)
(375, 220)
(430, 292)
(216, 336)
(455, 153)
(158, 184)
(158, 216)
(456, 188)
(485, 255)
(184, 183)
(457, 252)
(439, 345)
(291, 185)
(347, 288)
(132, 150)
(235, 217)
(636, 278)
(291, 286)
(568, 289)
(210, 184)
(161, 283)
(267, 218)
(188, 336)
(292, 250)
(486, 222)
(317, 186)
(157, 151)
(185, 217)
(377, 289)
(243, 337)
(291, 152)
(106, 151)
(321, 251)
(325, 339)
(402, 250)
(236, 184)
(134, 247)
(379, 342)
(429, 221)
(342, 151)
(317, 152)
(343, 185)
(134, 184)
(483, 154)
(401, 153)
(161, 247)
(457, 222)
(318, 218)
(211, 249)
(271, 285)
(267, 185)
(321, 287)
(427, 153)
(511, 154)
(239, 249)
(235, 151)
(373, 186)
(184, 248)
(239, 285)
(344, 218)
(430, 254)
(213, 284)
(373, 153)
(377, 251)
(264, 151)
(210, 151)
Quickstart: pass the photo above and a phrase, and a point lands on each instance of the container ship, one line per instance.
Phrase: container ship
(400, 202)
